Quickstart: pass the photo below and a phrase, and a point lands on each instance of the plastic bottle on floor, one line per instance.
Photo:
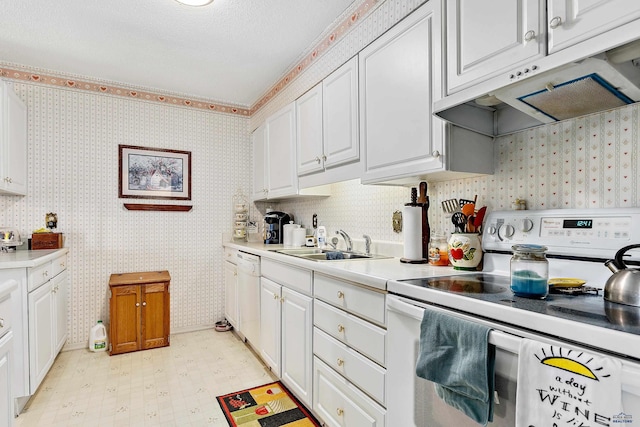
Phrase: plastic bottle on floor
(98, 337)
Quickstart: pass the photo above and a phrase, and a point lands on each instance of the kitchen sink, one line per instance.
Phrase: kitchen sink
(317, 254)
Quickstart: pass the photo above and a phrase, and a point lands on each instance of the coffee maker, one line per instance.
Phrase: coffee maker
(274, 222)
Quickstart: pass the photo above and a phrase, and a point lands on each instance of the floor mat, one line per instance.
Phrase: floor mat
(269, 405)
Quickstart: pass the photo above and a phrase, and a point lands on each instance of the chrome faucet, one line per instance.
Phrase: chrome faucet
(367, 244)
(347, 239)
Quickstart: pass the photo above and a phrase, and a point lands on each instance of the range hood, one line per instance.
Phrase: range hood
(599, 83)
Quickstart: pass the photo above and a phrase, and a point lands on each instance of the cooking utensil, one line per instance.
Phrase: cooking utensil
(623, 286)
(459, 220)
(470, 227)
(468, 202)
(468, 209)
(450, 206)
(477, 222)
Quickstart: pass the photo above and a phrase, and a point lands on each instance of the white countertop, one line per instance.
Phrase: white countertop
(370, 272)
(25, 258)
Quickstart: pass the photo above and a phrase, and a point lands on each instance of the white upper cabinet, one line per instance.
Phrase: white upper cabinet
(13, 142)
(486, 37)
(399, 79)
(281, 153)
(398, 132)
(309, 131)
(573, 21)
(340, 115)
(259, 163)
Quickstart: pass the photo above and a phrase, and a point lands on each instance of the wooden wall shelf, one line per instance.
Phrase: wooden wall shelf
(152, 207)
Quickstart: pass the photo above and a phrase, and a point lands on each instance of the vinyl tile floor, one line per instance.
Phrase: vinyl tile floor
(169, 386)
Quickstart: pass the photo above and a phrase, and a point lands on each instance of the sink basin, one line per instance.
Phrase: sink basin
(317, 254)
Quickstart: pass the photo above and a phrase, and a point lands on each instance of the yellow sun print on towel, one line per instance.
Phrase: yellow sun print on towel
(570, 362)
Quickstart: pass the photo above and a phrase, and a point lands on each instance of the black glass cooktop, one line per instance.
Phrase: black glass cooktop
(586, 308)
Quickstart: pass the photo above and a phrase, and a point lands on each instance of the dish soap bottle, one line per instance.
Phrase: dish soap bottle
(322, 237)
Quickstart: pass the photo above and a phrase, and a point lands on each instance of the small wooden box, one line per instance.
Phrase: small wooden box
(46, 241)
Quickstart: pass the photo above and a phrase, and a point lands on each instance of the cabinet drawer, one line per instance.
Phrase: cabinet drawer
(339, 403)
(355, 299)
(39, 275)
(5, 314)
(353, 331)
(299, 279)
(230, 255)
(361, 371)
(58, 265)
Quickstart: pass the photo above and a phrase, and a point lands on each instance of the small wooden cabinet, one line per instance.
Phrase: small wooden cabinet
(139, 311)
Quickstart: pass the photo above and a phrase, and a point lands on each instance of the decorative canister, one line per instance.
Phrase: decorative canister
(529, 271)
(465, 251)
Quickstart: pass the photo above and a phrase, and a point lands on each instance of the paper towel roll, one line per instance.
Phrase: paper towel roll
(412, 232)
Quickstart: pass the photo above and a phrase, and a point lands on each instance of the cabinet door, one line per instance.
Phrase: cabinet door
(573, 21)
(155, 315)
(41, 334)
(487, 37)
(399, 134)
(124, 327)
(231, 293)
(259, 163)
(297, 331)
(60, 292)
(6, 371)
(270, 293)
(281, 152)
(13, 142)
(340, 115)
(309, 131)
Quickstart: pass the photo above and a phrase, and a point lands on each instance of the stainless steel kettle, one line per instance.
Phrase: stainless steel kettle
(623, 286)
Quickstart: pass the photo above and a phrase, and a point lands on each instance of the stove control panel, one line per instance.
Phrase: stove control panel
(593, 233)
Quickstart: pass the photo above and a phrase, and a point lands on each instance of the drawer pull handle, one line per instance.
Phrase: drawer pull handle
(1, 322)
(275, 296)
(137, 304)
(339, 411)
(340, 294)
(45, 273)
(144, 304)
(340, 328)
(340, 362)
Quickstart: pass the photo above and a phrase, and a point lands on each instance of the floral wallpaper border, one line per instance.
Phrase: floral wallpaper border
(87, 85)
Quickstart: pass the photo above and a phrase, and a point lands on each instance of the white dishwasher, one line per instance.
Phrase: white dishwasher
(249, 298)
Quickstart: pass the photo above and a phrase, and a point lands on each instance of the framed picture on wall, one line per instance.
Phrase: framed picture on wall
(154, 173)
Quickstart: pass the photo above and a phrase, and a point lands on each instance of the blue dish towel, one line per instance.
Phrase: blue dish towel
(455, 354)
(334, 255)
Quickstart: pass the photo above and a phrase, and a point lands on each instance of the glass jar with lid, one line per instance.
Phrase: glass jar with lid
(438, 249)
(529, 271)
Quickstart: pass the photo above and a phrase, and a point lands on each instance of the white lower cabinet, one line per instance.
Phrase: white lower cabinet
(286, 327)
(6, 371)
(339, 403)
(231, 287)
(349, 347)
(47, 326)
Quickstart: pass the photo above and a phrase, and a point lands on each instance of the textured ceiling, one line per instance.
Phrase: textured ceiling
(229, 51)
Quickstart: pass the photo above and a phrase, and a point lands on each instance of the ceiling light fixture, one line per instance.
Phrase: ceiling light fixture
(195, 2)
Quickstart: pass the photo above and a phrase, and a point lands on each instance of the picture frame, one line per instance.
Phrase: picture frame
(154, 173)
